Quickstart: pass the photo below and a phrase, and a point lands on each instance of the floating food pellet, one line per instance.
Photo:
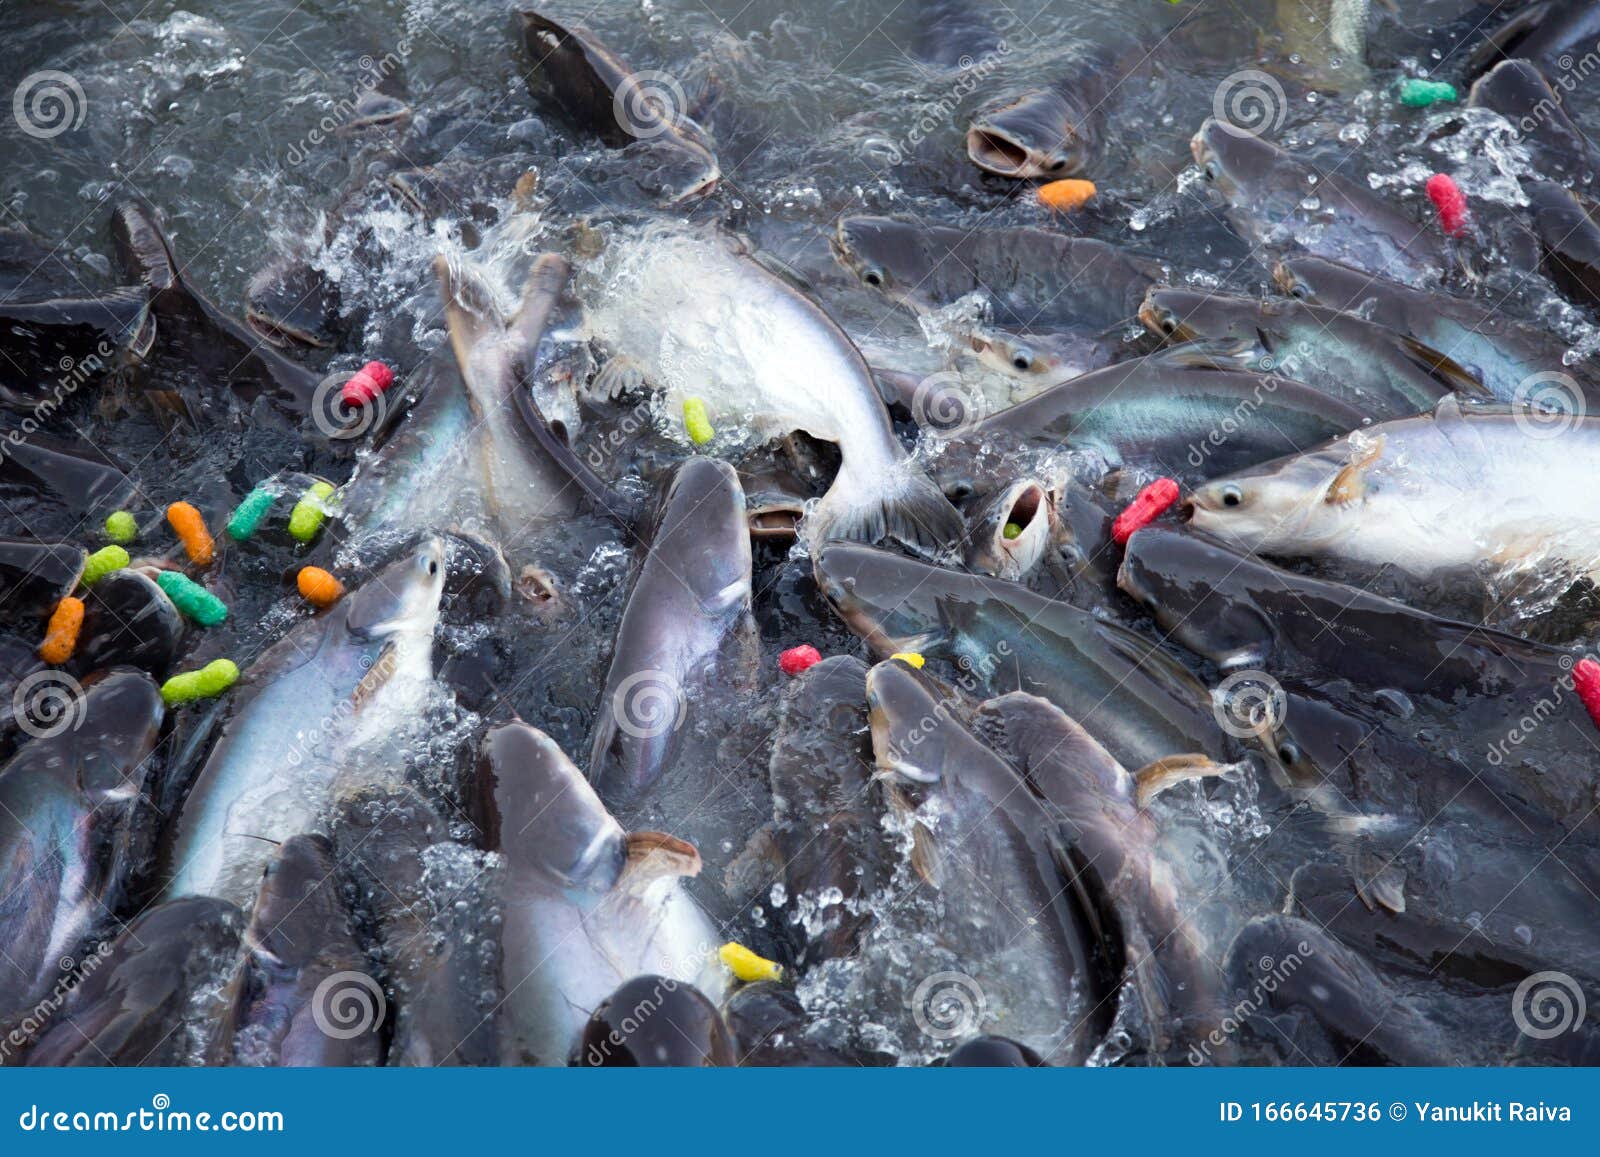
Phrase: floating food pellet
(1147, 506)
(318, 587)
(1065, 196)
(746, 965)
(366, 383)
(1586, 681)
(121, 528)
(1011, 530)
(61, 636)
(192, 599)
(212, 679)
(797, 659)
(697, 422)
(306, 517)
(910, 658)
(1418, 93)
(191, 529)
(102, 562)
(1451, 203)
(247, 516)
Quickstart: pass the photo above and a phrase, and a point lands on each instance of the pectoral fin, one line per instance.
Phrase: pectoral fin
(1349, 485)
(1154, 778)
(654, 856)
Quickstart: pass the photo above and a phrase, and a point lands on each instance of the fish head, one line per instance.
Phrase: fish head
(298, 910)
(539, 811)
(703, 536)
(1039, 359)
(885, 253)
(1168, 312)
(1038, 134)
(910, 724)
(1199, 592)
(1282, 506)
(1010, 531)
(655, 1021)
(880, 595)
(403, 597)
(1230, 159)
(291, 303)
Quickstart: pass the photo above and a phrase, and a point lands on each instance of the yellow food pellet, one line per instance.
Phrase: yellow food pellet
(318, 587)
(697, 422)
(306, 517)
(191, 528)
(746, 965)
(102, 562)
(61, 636)
(1066, 195)
(909, 657)
(121, 527)
(212, 679)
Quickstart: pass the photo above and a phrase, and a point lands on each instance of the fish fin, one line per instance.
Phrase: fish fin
(606, 499)
(1222, 354)
(1449, 371)
(542, 287)
(925, 859)
(905, 506)
(376, 676)
(620, 375)
(1154, 778)
(654, 856)
(470, 314)
(1498, 43)
(783, 271)
(1349, 485)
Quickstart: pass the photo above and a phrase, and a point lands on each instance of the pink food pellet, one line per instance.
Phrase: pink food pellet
(1451, 203)
(366, 383)
(1586, 681)
(1147, 506)
(797, 659)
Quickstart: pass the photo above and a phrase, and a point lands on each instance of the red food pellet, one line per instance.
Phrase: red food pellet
(1451, 202)
(1586, 681)
(797, 659)
(1147, 506)
(366, 383)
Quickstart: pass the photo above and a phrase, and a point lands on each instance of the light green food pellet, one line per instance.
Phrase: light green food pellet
(120, 527)
(1418, 93)
(697, 422)
(102, 562)
(192, 599)
(212, 679)
(306, 517)
(247, 516)
(1011, 530)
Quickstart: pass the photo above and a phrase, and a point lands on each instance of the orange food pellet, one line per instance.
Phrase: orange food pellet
(1066, 195)
(191, 528)
(318, 587)
(61, 636)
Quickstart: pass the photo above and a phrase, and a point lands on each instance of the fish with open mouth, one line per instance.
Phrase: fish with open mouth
(584, 904)
(1012, 530)
(333, 686)
(700, 319)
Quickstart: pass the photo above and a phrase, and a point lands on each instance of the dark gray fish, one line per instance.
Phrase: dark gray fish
(76, 475)
(1135, 699)
(146, 1002)
(1499, 351)
(290, 302)
(771, 1028)
(1550, 33)
(71, 805)
(1569, 239)
(953, 34)
(993, 1052)
(34, 574)
(1052, 130)
(129, 620)
(655, 1022)
(1518, 91)
(1010, 532)
(685, 626)
(301, 995)
(604, 96)
(1382, 373)
(52, 347)
(1283, 204)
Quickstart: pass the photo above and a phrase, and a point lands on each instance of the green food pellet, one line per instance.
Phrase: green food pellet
(306, 517)
(697, 422)
(192, 599)
(1417, 93)
(1011, 530)
(247, 516)
(102, 562)
(120, 527)
(212, 679)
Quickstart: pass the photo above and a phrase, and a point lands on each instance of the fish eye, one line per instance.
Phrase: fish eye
(1288, 754)
(1298, 289)
(1057, 165)
(1168, 325)
(1232, 496)
(433, 567)
(1022, 358)
(873, 276)
(1211, 171)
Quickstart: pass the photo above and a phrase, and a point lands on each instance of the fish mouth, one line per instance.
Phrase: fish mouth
(997, 151)
(281, 334)
(1158, 319)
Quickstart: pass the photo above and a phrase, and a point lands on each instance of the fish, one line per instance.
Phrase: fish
(1568, 234)
(300, 995)
(676, 157)
(1055, 305)
(1499, 351)
(464, 454)
(1283, 204)
(993, 1052)
(1460, 487)
(298, 722)
(1168, 968)
(1548, 33)
(1519, 92)
(987, 886)
(702, 320)
(1050, 130)
(1326, 40)
(1135, 699)
(73, 474)
(655, 1022)
(72, 810)
(686, 622)
(147, 1002)
(953, 34)
(1012, 530)
(52, 346)
(129, 621)
(771, 1027)
(585, 905)
(1384, 373)
(36, 573)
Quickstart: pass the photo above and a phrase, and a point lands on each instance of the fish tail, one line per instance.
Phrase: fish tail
(904, 505)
